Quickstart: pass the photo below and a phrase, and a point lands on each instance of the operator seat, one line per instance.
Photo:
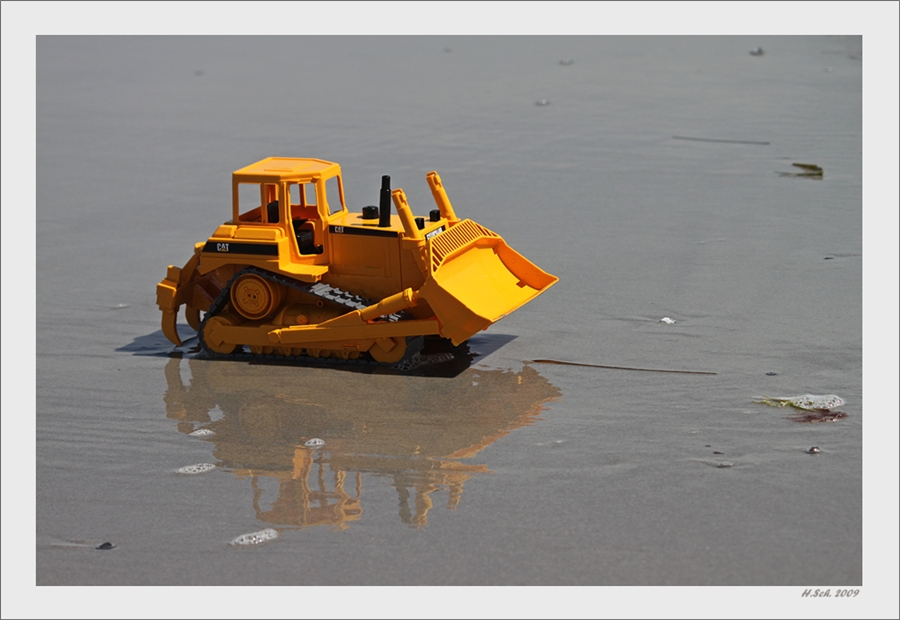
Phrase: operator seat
(305, 238)
(272, 212)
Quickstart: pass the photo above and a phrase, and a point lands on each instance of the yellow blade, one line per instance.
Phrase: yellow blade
(476, 279)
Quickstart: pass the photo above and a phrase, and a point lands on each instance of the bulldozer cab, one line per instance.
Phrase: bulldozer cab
(291, 194)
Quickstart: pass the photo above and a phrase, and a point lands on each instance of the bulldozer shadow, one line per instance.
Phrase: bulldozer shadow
(438, 358)
(156, 344)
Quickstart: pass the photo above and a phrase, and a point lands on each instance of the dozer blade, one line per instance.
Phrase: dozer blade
(476, 279)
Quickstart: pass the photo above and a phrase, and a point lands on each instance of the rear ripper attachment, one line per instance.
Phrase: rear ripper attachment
(294, 274)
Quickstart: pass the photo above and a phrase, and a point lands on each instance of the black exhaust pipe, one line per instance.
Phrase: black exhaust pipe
(384, 205)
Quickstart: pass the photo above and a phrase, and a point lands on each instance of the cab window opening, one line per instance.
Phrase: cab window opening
(302, 211)
(334, 190)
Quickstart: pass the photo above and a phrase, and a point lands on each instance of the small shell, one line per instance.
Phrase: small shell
(199, 468)
(255, 538)
(315, 442)
(725, 464)
(814, 450)
(667, 320)
(201, 432)
(807, 402)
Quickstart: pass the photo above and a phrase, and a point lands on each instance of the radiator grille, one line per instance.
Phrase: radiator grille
(454, 238)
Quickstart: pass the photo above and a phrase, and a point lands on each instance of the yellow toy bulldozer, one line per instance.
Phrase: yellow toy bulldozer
(294, 274)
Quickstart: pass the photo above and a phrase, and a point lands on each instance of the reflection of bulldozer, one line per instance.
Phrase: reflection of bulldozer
(295, 274)
(412, 430)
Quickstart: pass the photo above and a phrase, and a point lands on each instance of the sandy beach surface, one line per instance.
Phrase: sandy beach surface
(656, 177)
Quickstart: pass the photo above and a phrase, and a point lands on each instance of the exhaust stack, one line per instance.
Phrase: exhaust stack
(384, 204)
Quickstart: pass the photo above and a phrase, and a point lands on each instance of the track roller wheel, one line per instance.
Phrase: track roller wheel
(210, 338)
(388, 350)
(254, 297)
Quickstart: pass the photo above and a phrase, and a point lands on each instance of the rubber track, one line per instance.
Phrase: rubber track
(323, 291)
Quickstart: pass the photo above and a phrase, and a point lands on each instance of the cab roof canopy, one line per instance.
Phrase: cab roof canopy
(274, 169)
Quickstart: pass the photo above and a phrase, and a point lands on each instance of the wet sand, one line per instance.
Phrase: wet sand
(499, 470)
